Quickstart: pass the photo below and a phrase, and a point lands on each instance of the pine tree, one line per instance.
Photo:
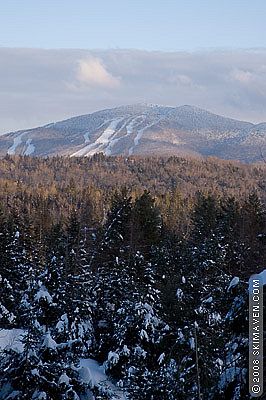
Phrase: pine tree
(146, 223)
(112, 280)
(7, 299)
(233, 379)
(138, 330)
(44, 369)
(73, 291)
(253, 233)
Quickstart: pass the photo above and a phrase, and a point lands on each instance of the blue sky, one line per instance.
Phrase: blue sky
(166, 25)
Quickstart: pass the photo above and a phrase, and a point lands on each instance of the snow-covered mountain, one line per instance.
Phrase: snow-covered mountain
(143, 129)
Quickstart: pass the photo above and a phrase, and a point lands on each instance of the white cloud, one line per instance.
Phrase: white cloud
(93, 73)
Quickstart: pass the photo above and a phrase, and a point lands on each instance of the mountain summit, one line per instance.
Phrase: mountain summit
(143, 129)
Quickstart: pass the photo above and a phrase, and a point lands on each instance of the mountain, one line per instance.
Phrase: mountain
(143, 129)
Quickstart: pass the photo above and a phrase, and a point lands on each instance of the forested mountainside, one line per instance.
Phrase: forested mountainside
(127, 278)
(48, 188)
(143, 129)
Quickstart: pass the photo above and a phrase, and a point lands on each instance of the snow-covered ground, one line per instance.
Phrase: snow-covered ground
(101, 142)
(30, 148)
(139, 136)
(11, 339)
(16, 142)
(92, 373)
(129, 129)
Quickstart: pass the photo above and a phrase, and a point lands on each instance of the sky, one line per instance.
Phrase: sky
(166, 25)
(64, 58)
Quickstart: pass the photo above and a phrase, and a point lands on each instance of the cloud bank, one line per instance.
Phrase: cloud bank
(41, 86)
(93, 73)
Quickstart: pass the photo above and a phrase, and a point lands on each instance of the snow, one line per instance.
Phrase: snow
(16, 142)
(234, 282)
(144, 335)
(87, 134)
(11, 339)
(215, 317)
(83, 328)
(179, 294)
(101, 142)
(230, 374)
(64, 379)
(86, 137)
(43, 294)
(35, 372)
(133, 122)
(139, 136)
(113, 357)
(63, 323)
(49, 342)
(161, 358)
(262, 275)
(39, 395)
(4, 313)
(92, 373)
(82, 152)
(125, 350)
(209, 126)
(106, 135)
(5, 391)
(14, 395)
(192, 343)
(30, 148)
(129, 129)
(208, 300)
(140, 352)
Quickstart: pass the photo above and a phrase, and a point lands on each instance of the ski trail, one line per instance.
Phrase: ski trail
(84, 150)
(17, 142)
(99, 143)
(139, 136)
(130, 126)
(104, 138)
(129, 129)
(86, 135)
(30, 148)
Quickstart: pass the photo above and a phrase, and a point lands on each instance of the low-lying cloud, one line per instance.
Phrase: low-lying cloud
(40, 86)
(92, 72)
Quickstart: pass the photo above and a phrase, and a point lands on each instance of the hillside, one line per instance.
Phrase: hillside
(143, 130)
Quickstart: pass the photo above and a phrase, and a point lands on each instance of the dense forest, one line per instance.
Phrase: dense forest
(48, 189)
(136, 266)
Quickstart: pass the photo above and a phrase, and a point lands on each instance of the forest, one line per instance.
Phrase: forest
(134, 268)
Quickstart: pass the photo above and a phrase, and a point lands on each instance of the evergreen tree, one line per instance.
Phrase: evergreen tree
(146, 223)
(7, 299)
